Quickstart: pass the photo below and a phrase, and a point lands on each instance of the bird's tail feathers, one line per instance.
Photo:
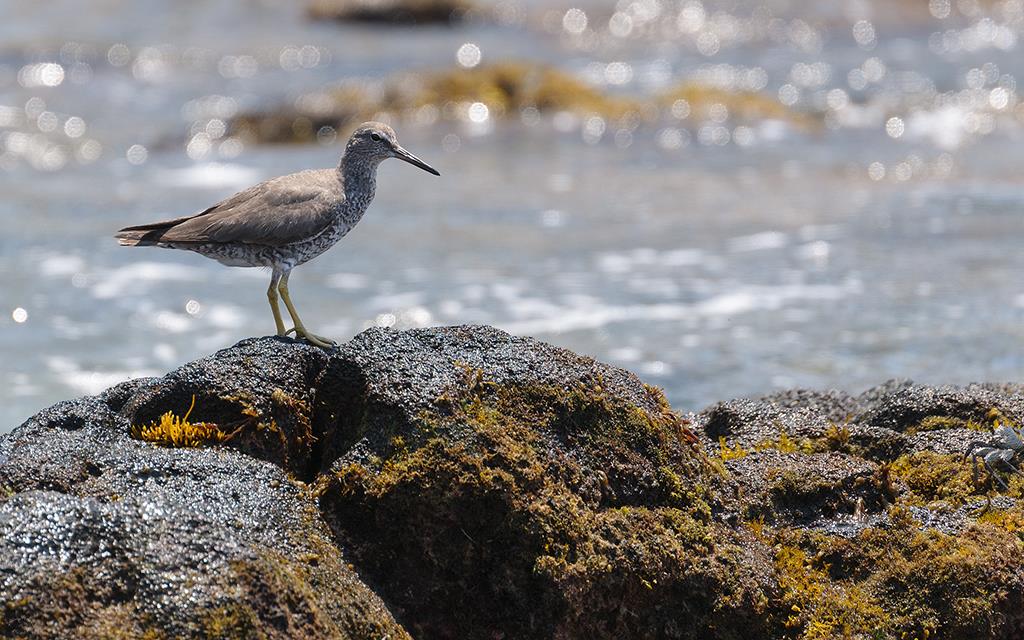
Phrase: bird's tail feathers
(146, 235)
(132, 239)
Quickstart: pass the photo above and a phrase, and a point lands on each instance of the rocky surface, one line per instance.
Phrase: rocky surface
(104, 536)
(463, 483)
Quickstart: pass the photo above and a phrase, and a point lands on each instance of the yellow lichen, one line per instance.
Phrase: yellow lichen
(171, 431)
(994, 419)
(730, 453)
(934, 423)
(756, 526)
(934, 476)
(230, 623)
(1011, 520)
(785, 444)
(822, 607)
(837, 437)
(998, 419)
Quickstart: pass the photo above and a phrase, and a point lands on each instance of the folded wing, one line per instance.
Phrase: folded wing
(273, 213)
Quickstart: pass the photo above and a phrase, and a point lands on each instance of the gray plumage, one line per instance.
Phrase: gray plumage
(285, 221)
(276, 212)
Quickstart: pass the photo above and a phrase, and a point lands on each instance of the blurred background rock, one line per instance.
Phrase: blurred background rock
(727, 197)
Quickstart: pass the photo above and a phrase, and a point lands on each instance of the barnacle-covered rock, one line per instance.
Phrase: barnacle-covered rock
(796, 422)
(483, 484)
(876, 519)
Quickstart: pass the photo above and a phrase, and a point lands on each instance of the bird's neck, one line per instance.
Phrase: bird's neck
(360, 178)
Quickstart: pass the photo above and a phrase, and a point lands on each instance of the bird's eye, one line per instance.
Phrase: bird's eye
(375, 137)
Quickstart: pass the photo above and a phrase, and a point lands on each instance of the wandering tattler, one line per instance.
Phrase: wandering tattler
(285, 221)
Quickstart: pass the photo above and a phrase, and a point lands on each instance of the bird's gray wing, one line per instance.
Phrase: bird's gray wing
(274, 213)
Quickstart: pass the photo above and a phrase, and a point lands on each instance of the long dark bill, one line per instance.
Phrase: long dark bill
(402, 154)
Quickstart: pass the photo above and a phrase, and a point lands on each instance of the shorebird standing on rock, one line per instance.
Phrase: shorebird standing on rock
(285, 221)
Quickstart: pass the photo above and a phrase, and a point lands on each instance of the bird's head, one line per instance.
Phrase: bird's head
(376, 141)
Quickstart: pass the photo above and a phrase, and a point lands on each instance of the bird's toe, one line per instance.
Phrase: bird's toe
(312, 338)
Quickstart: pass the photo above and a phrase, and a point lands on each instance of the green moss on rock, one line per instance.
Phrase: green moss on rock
(544, 510)
(900, 582)
(77, 599)
(934, 476)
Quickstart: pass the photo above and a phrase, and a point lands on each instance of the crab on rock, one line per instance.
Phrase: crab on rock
(1004, 446)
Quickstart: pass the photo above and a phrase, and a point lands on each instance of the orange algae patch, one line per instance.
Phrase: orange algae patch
(171, 431)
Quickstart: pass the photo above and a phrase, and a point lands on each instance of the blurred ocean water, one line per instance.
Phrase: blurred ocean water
(716, 259)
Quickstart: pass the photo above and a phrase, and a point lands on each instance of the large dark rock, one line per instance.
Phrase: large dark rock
(463, 483)
(104, 536)
(484, 485)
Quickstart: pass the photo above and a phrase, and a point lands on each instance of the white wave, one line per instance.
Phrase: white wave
(115, 282)
(60, 265)
(170, 321)
(624, 262)
(395, 300)
(758, 241)
(90, 382)
(224, 316)
(210, 175)
(946, 127)
(347, 281)
(749, 300)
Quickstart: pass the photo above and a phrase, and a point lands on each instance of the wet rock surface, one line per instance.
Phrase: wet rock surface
(804, 488)
(463, 483)
(104, 536)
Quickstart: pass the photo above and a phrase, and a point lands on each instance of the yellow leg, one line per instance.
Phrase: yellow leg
(300, 329)
(272, 297)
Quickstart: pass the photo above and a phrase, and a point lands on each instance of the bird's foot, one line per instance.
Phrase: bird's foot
(312, 338)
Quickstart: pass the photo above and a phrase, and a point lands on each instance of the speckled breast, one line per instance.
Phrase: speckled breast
(292, 255)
